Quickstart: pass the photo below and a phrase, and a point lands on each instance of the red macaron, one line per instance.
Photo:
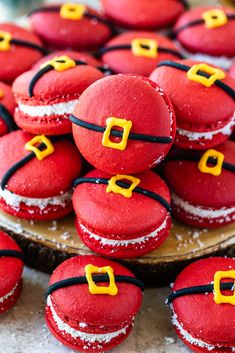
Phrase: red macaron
(19, 50)
(138, 52)
(203, 305)
(110, 213)
(48, 95)
(11, 269)
(232, 71)
(7, 108)
(92, 303)
(144, 14)
(203, 98)
(123, 124)
(37, 175)
(209, 32)
(70, 25)
(203, 186)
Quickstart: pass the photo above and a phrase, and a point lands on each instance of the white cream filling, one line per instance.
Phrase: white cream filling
(192, 136)
(84, 336)
(15, 200)
(8, 295)
(202, 212)
(48, 110)
(111, 242)
(192, 340)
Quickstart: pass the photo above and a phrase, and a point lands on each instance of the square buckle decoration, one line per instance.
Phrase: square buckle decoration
(214, 18)
(145, 47)
(30, 146)
(215, 74)
(217, 169)
(113, 187)
(219, 298)
(72, 11)
(93, 288)
(126, 125)
(60, 63)
(5, 41)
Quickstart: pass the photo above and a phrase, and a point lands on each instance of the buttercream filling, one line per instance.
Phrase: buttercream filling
(8, 295)
(15, 200)
(112, 242)
(192, 340)
(193, 136)
(48, 110)
(203, 212)
(84, 336)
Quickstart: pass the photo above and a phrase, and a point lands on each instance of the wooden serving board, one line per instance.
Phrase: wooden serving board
(46, 244)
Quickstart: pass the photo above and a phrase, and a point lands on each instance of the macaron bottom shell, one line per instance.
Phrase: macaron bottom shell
(10, 301)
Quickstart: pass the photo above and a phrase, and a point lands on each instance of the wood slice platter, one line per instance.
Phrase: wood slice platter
(47, 244)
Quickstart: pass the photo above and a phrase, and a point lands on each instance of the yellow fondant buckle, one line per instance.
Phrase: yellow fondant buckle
(126, 125)
(1, 93)
(30, 146)
(219, 298)
(215, 74)
(60, 63)
(93, 288)
(144, 47)
(214, 18)
(5, 41)
(72, 11)
(113, 187)
(215, 170)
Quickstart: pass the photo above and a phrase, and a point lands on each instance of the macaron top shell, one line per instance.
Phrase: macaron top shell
(39, 179)
(18, 58)
(114, 215)
(8, 101)
(218, 41)
(125, 97)
(124, 61)
(232, 71)
(11, 268)
(77, 304)
(200, 315)
(186, 179)
(143, 14)
(194, 104)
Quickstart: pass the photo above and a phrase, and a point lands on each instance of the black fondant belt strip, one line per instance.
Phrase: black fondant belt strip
(116, 133)
(184, 3)
(198, 290)
(12, 253)
(184, 157)
(97, 279)
(25, 43)
(128, 47)
(227, 89)
(49, 67)
(8, 119)
(125, 185)
(196, 23)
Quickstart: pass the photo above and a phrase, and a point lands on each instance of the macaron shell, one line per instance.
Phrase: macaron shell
(76, 304)
(8, 101)
(199, 314)
(60, 33)
(52, 179)
(232, 71)
(200, 39)
(144, 14)
(215, 191)
(124, 61)
(125, 97)
(18, 59)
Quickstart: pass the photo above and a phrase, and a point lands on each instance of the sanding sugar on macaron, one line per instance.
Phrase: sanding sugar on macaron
(37, 175)
(7, 108)
(203, 304)
(19, 50)
(11, 269)
(144, 14)
(123, 124)
(70, 25)
(47, 96)
(92, 303)
(138, 52)
(207, 34)
(110, 211)
(203, 97)
(202, 185)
